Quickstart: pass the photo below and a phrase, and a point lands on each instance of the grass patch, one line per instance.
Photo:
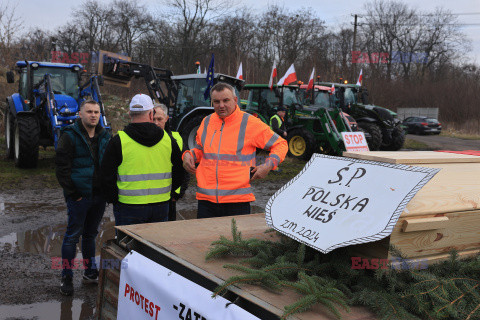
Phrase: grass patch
(459, 135)
(43, 176)
(415, 145)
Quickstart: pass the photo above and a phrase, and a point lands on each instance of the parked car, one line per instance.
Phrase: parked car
(422, 125)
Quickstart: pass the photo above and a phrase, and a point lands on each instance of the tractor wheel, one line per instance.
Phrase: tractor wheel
(189, 132)
(375, 140)
(9, 140)
(398, 138)
(27, 134)
(301, 143)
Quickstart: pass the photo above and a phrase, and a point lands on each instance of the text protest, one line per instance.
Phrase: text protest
(150, 291)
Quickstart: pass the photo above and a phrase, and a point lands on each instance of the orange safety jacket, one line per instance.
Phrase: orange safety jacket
(225, 150)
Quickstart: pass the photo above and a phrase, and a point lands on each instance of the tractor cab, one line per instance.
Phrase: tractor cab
(64, 83)
(262, 102)
(322, 97)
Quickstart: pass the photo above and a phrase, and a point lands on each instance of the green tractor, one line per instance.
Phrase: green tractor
(310, 128)
(382, 130)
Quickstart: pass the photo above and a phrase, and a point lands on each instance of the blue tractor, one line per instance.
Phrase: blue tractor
(49, 96)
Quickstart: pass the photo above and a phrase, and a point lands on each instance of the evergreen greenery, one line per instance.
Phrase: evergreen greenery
(446, 290)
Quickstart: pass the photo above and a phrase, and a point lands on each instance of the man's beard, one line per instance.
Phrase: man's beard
(90, 126)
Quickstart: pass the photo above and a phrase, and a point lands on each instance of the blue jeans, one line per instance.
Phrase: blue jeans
(128, 214)
(207, 209)
(84, 219)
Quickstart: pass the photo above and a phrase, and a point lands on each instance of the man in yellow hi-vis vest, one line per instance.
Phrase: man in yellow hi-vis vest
(160, 118)
(277, 122)
(140, 168)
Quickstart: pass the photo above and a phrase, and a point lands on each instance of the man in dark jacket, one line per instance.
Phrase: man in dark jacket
(79, 152)
(141, 166)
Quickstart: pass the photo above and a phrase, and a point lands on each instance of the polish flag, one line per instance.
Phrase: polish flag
(273, 75)
(240, 72)
(360, 78)
(289, 77)
(310, 81)
(332, 89)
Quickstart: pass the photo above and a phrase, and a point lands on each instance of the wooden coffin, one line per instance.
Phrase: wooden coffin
(443, 215)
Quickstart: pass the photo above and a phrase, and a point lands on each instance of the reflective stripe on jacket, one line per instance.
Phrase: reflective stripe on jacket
(226, 150)
(145, 174)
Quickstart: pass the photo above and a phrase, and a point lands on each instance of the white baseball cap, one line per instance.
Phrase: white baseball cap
(141, 102)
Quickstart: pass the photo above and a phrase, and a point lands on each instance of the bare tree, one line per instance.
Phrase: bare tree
(193, 17)
(35, 44)
(10, 27)
(95, 20)
(131, 22)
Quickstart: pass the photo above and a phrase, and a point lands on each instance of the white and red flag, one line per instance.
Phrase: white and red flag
(289, 77)
(310, 81)
(240, 72)
(332, 89)
(360, 78)
(273, 75)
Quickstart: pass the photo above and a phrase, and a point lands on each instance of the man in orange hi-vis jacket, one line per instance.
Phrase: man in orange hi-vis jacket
(225, 150)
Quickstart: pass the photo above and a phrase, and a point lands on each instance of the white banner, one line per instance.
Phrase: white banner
(355, 141)
(148, 290)
(336, 201)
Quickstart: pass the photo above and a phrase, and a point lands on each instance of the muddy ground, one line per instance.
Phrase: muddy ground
(32, 225)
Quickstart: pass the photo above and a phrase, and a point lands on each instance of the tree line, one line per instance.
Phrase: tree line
(396, 46)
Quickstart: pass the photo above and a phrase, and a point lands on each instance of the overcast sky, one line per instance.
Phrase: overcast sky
(50, 14)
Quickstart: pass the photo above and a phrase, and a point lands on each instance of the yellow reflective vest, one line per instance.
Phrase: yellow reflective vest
(145, 174)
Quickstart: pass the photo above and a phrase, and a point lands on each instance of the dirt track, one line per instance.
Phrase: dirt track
(32, 224)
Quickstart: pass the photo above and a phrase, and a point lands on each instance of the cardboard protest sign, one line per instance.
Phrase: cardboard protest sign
(336, 202)
(148, 290)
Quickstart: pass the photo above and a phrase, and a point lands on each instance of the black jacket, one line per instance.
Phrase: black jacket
(78, 160)
(147, 134)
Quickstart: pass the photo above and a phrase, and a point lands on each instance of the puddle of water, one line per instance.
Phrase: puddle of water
(48, 240)
(69, 309)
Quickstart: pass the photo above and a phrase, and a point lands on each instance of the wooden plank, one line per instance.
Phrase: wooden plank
(441, 257)
(419, 224)
(413, 157)
(456, 188)
(189, 241)
(462, 233)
